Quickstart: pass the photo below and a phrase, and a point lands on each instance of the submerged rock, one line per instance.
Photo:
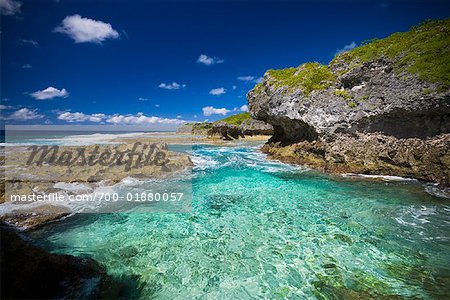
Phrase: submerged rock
(369, 111)
(30, 272)
(26, 217)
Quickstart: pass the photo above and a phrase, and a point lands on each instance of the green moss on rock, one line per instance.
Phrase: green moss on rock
(424, 50)
(342, 94)
(308, 77)
(236, 119)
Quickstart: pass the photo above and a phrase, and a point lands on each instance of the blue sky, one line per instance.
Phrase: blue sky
(164, 62)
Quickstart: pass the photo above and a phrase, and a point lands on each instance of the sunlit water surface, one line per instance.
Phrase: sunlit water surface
(262, 229)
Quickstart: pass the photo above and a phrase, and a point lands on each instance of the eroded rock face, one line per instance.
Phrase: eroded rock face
(256, 127)
(368, 98)
(372, 115)
(374, 154)
(225, 131)
(249, 127)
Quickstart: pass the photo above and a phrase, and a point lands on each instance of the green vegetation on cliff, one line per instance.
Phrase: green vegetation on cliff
(201, 126)
(309, 77)
(236, 119)
(424, 50)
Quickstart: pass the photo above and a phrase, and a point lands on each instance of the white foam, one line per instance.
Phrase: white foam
(383, 177)
(79, 140)
(438, 192)
(93, 139)
(203, 162)
(245, 156)
(72, 187)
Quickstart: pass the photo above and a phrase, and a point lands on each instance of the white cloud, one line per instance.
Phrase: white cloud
(209, 61)
(171, 86)
(157, 105)
(209, 110)
(25, 114)
(244, 108)
(118, 119)
(179, 116)
(50, 93)
(346, 48)
(141, 119)
(246, 78)
(234, 87)
(29, 42)
(195, 116)
(259, 80)
(4, 106)
(9, 7)
(27, 66)
(142, 99)
(80, 117)
(250, 78)
(85, 30)
(218, 91)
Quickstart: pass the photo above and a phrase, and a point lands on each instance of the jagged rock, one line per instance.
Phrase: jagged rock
(30, 217)
(378, 101)
(374, 154)
(393, 113)
(256, 127)
(248, 127)
(225, 131)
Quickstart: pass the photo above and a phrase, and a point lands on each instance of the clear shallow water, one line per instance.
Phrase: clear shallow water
(262, 229)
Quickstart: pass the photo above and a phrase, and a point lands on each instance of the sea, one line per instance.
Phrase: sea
(263, 229)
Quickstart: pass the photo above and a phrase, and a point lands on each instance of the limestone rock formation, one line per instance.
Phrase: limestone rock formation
(248, 127)
(389, 99)
(225, 131)
(256, 127)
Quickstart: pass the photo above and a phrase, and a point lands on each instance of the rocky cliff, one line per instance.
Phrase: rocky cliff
(248, 127)
(381, 108)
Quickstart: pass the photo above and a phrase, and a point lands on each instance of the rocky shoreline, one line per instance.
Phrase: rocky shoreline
(60, 172)
(371, 154)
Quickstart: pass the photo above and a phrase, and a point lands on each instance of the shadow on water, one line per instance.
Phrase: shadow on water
(123, 286)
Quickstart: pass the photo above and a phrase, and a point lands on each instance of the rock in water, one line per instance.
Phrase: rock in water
(382, 108)
(30, 272)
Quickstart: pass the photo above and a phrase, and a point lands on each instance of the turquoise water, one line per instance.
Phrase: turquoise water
(262, 229)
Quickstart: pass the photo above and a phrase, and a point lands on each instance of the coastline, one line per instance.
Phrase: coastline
(246, 147)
